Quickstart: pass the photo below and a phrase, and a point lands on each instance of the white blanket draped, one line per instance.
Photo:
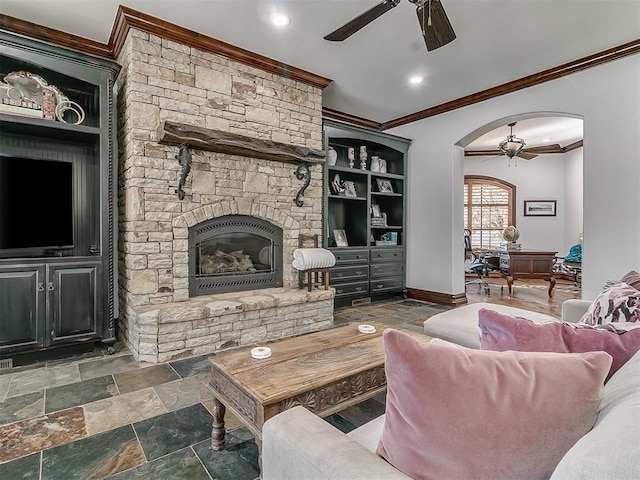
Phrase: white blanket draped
(308, 258)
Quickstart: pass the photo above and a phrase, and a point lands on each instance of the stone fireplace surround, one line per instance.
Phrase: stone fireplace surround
(163, 80)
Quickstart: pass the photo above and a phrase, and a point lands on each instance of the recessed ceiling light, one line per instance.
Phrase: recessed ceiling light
(280, 19)
(416, 80)
(546, 140)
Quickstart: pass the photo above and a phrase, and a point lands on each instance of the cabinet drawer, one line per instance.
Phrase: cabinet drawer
(387, 254)
(386, 284)
(387, 270)
(345, 289)
(348, 274)
(345, 257)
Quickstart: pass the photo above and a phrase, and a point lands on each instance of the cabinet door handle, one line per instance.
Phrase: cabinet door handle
(379, 286)
(359, 272)
(50, 286)
(40, 287)
(339, 291)
(359, 289)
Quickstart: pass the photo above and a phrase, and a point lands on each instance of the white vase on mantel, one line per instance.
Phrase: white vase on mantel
(332, 156)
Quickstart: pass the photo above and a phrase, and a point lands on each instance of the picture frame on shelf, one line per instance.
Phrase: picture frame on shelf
(340, 238)
(384, 185)
(540, 208)
(350, 189)
(375, 211)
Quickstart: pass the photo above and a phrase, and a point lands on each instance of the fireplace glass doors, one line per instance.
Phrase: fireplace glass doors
(234, 253)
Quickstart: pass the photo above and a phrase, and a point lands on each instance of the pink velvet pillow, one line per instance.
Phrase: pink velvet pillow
(503, 332)
(457, 413)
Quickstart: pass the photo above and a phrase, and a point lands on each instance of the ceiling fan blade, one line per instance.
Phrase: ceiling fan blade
(526, 155)
(361, 21)
(440, 32)
(552, 148)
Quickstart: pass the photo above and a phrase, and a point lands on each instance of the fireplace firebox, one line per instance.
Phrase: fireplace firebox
(234, 253)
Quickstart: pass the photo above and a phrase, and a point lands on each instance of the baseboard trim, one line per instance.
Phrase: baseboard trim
(453, 300)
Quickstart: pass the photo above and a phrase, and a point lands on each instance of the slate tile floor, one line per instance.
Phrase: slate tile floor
(99, 416)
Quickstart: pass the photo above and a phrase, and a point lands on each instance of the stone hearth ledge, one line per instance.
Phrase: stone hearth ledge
(211, 323)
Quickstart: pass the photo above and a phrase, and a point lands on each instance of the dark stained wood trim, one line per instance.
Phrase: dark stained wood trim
(436, 297)
(538, 151)
(56, 37)
(351, 119)
(615, 53)
(127, 18)
(201, 138)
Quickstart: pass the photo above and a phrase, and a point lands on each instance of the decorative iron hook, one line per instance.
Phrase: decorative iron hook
(184, 159)
(302, 173)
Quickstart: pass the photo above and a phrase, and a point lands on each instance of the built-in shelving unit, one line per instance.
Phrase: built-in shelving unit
(368, 205)
(55, 297)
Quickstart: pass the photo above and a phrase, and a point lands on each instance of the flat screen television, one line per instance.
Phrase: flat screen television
(36, 204)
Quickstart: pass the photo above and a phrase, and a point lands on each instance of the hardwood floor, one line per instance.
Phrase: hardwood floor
(527, 294)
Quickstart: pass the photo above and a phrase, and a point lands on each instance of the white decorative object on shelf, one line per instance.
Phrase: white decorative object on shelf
(28, 94)
(363, 157)
(352, 156)
(332, 156)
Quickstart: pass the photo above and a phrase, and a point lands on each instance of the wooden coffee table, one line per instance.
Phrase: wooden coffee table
(324, 371)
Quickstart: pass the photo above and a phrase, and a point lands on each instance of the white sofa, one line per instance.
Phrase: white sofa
(298, 445)
(460, 325)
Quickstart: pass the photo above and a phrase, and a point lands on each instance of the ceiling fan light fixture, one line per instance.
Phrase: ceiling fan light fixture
(513, 145)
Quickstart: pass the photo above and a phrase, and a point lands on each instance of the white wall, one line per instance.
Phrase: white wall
(573, 198)
(542, 178)
(608, 99)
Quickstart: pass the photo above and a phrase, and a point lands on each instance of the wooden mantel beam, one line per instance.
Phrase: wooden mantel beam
(200, 138)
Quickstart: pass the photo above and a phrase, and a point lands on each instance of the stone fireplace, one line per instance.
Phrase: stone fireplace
(212, 270)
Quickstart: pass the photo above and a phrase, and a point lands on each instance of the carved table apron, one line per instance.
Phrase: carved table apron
(325, 372)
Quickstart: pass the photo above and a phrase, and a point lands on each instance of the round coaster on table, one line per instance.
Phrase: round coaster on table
(366, 329)
(261, 352)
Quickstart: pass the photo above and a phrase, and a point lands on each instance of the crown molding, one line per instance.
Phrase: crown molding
(351, 119)
(56, 37)
(127, 18)
(606, 56)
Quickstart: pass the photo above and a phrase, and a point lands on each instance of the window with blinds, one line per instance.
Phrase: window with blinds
(489, 207)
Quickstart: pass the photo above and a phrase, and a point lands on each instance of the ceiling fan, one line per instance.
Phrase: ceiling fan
(513, 146)
(434, 24)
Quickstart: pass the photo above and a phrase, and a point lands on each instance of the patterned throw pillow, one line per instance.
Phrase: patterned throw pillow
(620, 303)
(632, 278)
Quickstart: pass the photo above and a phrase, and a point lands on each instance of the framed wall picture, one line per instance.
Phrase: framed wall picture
(341, 238)
(350, 189)
(375, 211)
(384, 185)
(540, 208)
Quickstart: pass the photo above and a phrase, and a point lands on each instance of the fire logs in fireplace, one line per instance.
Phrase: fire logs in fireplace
(221, 262)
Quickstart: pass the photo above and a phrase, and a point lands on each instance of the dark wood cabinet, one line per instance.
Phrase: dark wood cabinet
(365, 198)
(62, 294)
(43, 305)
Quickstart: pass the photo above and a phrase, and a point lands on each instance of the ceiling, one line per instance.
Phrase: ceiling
(498, 41)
